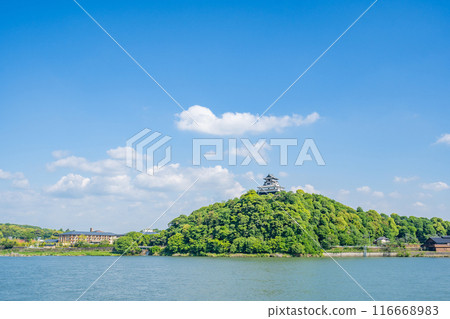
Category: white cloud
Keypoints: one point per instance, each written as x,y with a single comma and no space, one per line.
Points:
71,184
344,192
106,166
308,188
60,154
250,175
364,189
399,179
120,152
174,177
395,195
5,175
283,174
368,190
21,183
236,123
424,195
110,196
419,204
18,180
171,178
112,177
436,186
444,139
261,147
378,194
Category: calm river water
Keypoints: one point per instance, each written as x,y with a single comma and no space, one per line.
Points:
202,278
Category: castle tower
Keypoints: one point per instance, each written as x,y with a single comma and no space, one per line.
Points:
270,186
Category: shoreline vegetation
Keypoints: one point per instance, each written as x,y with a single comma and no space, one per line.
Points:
49,252
29,252
285,224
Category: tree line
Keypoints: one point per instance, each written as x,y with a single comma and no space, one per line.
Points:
290,223
27,232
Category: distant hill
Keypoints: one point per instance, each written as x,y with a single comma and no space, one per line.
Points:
291,223
26,232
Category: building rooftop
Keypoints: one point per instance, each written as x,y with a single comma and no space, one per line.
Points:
90,233
270,185
270,177
440,240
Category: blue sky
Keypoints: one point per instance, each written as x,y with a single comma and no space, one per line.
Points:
381,93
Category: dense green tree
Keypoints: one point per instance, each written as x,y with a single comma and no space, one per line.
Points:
175,244
81,244
7,243
126,245
292,223
26,232
155,250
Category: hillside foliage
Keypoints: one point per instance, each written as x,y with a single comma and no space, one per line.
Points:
289,223
26,232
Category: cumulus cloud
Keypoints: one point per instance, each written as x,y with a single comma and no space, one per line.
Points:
114,196
444,139
260,148
21,183
368,190
419,204
283,174
71,185
399,179
308,188
436,186
253,177
424,195
120,152
378,194
175,177
5,175
395,195
18,179
106,166
364,189
111,177
60,153
236,123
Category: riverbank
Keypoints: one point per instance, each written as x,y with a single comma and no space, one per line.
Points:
108,251
390,254
333,255
28,252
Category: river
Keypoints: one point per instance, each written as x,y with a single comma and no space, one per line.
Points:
205,278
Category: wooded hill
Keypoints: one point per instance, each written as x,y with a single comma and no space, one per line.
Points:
290,223
26,232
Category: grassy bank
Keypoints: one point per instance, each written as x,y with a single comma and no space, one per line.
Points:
234,255
54,252
336,252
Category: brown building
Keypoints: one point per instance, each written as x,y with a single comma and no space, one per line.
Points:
439,244
92,237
